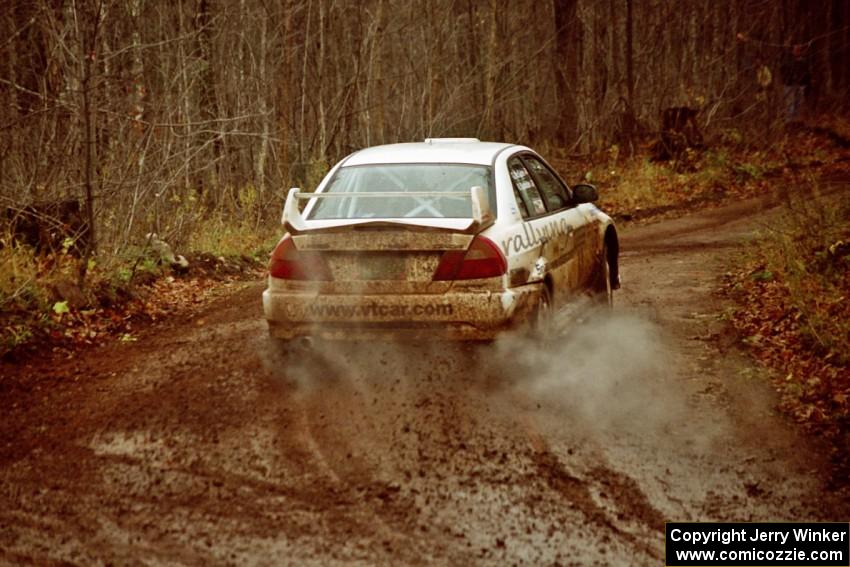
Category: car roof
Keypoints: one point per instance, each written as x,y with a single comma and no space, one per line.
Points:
432,150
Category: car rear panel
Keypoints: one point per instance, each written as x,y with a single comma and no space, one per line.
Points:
465,314
383,261
383,288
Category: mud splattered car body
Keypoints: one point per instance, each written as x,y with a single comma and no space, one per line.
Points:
448,239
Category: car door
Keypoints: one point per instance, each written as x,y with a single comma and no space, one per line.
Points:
548,225
584,234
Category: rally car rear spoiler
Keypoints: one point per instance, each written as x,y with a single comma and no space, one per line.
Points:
482,215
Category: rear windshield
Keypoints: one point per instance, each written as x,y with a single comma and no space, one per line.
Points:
406,178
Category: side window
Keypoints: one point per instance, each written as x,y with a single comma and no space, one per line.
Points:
556,195
523,209
532,202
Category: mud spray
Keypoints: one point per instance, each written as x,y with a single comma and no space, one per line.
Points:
484,438
597,373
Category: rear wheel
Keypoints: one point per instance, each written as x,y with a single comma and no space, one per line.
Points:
603,293
541,320
277,351
294,359
284,346
274,356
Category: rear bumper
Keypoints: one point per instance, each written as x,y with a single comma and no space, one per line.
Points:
454,315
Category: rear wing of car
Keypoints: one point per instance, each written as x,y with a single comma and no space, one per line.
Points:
482,214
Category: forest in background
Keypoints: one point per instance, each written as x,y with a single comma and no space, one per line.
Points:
190,119
158,116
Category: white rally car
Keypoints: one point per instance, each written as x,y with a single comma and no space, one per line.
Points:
451,239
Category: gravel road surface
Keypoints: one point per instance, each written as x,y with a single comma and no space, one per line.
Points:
197,444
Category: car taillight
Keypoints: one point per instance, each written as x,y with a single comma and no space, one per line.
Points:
289,263
481,260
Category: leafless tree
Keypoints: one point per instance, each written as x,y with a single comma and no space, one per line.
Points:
155,114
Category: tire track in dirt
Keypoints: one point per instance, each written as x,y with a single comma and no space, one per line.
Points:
199,445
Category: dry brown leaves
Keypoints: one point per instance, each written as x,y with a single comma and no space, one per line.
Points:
66,332
815,385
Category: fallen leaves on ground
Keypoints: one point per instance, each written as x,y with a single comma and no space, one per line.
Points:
811,372
69,329
639,189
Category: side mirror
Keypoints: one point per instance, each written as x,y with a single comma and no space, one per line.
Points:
585,193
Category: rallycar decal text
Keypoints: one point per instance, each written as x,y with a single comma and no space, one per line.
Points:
532,237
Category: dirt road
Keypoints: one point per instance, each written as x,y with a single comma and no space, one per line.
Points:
196,445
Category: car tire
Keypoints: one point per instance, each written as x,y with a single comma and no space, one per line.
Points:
541,319
277,351
603,292
280,356
283,346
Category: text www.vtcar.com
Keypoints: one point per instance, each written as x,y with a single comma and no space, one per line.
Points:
373,310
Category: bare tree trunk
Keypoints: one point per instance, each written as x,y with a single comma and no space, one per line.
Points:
567,51
207,181
302,132
376,70
86,31
630,74
186,100
262,153
285,77
138,73
488,117
320,67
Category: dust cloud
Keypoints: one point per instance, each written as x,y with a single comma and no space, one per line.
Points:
600,372
604,370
